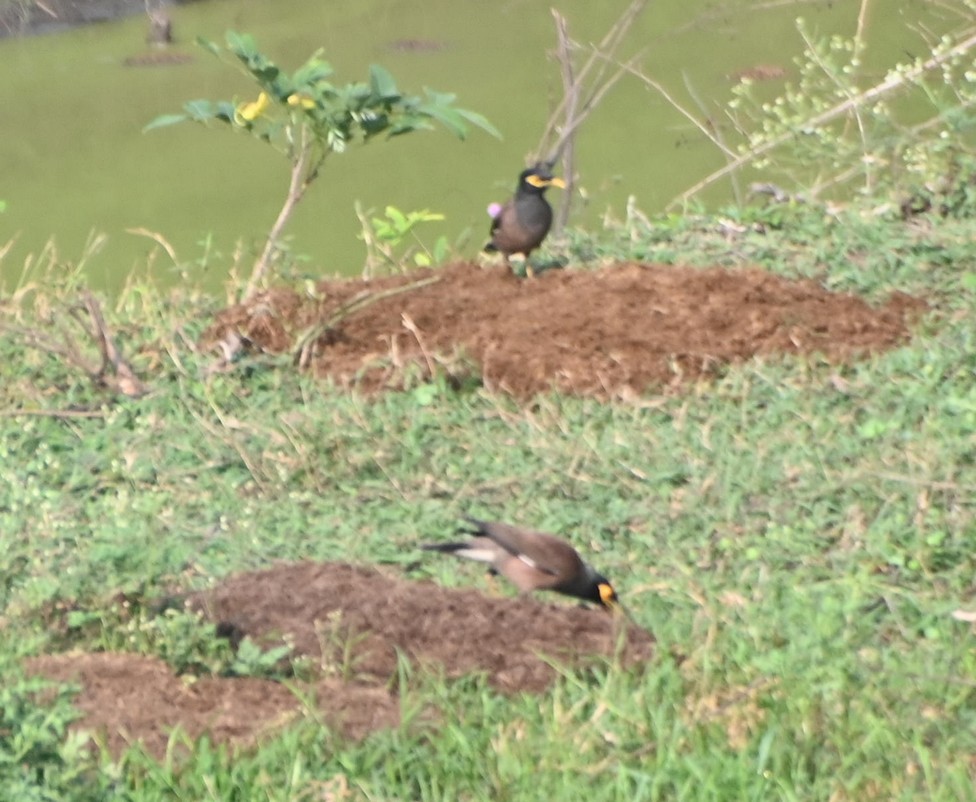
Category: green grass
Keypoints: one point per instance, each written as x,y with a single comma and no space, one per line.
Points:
797,536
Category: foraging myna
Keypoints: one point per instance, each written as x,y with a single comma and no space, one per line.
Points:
531,560
521,224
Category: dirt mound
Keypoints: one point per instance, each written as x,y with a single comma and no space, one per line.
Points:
352,622
612,332
127,698
327,608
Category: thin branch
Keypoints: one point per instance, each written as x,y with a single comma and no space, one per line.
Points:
714,133
583,89
571,92
568,130
606,45
703,127
599,56
875,92
305,343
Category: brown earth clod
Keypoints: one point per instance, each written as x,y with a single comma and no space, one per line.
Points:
352,622
324,608
614,332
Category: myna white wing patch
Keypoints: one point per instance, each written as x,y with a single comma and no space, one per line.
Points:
487,555
534,565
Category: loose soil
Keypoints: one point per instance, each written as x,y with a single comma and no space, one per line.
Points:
616,332
127,699
352,622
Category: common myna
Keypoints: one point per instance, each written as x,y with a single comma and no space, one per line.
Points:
521,224
532,561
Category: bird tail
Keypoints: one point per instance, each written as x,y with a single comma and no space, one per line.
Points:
447,548
467,551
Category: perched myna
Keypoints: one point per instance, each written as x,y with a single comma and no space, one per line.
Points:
532,561
521,224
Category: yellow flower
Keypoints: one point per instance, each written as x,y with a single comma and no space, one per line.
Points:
298,99
249,112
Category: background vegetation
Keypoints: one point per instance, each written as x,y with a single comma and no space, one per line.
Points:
799,537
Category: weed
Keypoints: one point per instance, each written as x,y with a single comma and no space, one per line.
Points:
306,117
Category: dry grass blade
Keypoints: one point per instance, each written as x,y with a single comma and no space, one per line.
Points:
304,349
159,239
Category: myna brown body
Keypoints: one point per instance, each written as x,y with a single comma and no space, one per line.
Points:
521,225
531,560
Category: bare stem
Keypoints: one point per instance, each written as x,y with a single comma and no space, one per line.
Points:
571,92
300,178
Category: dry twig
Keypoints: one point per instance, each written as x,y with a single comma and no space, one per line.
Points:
112,372
583,89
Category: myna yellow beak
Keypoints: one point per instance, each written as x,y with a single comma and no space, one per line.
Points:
607,595
540,182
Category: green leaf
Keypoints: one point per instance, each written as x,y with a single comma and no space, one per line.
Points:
78,618
202,111
408,124
166,119
398,218
224,111
241,44
480,121
873,428
198,110
312,72
382,85
267,73
355,97
209,45
439,98
441,247
448,117
439,107
335,141
425,394
260,66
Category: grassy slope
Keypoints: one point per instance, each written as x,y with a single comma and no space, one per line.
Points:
797,534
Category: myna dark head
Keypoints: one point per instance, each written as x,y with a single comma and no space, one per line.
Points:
536,180
531,560
604,593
